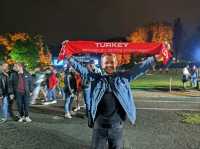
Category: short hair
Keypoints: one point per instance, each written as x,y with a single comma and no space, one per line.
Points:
21,65
5,63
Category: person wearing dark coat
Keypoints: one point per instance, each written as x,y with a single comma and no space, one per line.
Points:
5,92
22,87
70,90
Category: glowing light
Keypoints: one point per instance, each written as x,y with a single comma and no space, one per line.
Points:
196,55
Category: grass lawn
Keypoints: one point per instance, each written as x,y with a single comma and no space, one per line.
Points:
191,118
159,80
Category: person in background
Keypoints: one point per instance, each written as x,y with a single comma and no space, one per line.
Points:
186,75
87,85
22,87
5,92
194,76
12,101
39,79
70,90
78,91
51,87
61,84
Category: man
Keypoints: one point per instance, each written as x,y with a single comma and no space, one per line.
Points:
39,79
61,84
78,91
12,100
5,92
186,75
70,90
111,99
22,87
194,76
52,82
87,86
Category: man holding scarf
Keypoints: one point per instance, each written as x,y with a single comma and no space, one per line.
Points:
111,97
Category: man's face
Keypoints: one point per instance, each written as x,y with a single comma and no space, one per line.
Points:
19,68
5,67
109,64
15,67
54,71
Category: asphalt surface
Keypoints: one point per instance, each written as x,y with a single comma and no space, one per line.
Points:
158,126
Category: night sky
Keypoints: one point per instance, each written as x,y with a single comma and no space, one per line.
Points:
58,20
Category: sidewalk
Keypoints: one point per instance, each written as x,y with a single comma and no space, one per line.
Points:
157,93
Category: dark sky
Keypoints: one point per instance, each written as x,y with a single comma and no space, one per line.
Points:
57,20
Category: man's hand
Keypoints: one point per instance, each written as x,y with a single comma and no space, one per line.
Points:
11,96
158,58
72,95
64,52
130,125
1,97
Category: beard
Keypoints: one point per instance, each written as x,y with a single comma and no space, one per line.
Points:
109,70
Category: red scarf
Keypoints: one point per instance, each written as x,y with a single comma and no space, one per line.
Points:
77,47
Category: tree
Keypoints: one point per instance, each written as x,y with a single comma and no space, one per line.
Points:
154,32
1,53
25,52
178,37
26,49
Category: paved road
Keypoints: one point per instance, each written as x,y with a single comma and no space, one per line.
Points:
169,104
155,129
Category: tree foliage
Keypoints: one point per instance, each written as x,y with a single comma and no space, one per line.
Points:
25,52
24,48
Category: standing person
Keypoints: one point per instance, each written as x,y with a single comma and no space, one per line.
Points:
186,75
51,87
5,92
39,79
87,85
61,84
12,100
111,99
78,91
194,76
22,87
70,90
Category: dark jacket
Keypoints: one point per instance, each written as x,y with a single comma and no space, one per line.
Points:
28,83
5,85
70,83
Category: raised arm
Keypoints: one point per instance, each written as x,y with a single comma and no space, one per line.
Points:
139,69
78,67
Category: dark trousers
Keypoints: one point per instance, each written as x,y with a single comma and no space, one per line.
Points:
23,104
113,136
10,108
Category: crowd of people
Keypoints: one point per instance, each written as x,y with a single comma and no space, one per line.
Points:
15,85
190,74
107,94
20,88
